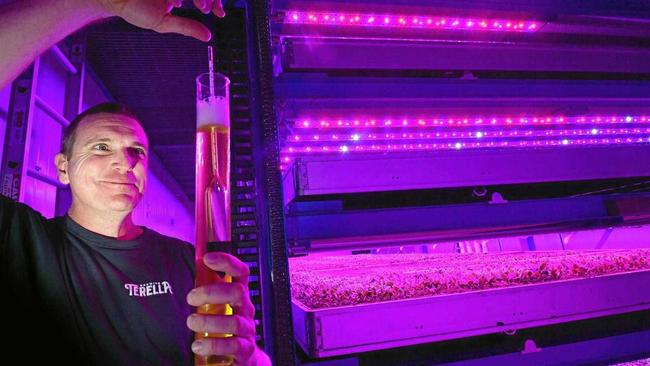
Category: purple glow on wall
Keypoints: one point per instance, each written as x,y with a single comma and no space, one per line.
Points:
422,21
364,135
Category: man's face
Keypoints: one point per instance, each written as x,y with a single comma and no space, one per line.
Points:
107,168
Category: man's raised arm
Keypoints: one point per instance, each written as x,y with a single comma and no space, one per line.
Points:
29,27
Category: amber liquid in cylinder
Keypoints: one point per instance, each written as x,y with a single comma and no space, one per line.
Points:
212,217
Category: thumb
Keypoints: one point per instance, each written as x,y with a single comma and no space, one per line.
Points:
187,27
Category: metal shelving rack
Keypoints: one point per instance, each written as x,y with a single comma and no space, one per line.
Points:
23,104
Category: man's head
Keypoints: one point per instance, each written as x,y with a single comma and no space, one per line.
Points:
104,159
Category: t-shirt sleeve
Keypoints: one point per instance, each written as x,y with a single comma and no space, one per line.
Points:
7,211
188,255
16,217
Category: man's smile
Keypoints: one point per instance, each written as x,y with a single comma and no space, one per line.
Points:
119,184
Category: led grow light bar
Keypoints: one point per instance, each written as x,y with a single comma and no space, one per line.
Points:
423,21
367,135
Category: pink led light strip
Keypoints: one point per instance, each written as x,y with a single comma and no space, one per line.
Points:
322,136
409,21
287,153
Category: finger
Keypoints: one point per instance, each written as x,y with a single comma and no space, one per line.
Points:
184,26
203,5
234,293
228,324
178,3
217,9
240,348
246,310
224,262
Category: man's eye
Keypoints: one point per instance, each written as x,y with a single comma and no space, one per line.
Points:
101,147
140,151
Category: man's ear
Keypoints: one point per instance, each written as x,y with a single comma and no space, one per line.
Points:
61,163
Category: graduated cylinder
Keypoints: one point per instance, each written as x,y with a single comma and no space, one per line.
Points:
212,208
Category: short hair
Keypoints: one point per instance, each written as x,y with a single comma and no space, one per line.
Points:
70,132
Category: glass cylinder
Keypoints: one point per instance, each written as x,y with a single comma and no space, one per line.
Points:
212,201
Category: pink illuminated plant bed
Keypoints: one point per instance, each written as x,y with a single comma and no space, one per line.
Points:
333,281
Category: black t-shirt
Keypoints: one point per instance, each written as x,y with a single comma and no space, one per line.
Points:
73,295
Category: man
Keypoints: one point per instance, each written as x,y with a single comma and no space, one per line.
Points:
92,287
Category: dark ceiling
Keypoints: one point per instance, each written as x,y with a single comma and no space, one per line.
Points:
154,74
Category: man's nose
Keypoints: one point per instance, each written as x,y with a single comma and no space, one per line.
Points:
125,159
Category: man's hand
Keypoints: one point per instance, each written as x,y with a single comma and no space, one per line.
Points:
241,346
155,15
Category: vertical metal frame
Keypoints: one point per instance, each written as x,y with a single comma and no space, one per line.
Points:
20,122
273,250
74,91
17,138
